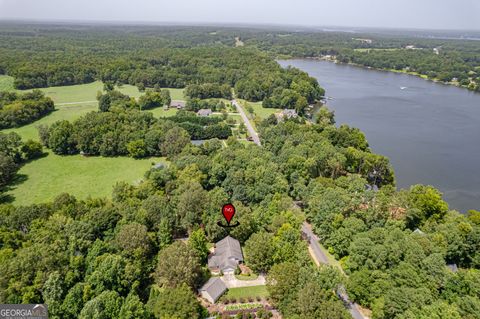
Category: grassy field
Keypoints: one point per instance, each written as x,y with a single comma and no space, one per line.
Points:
377,49
259,110
6,83
88,92
247,277
65,112
246,292
74,101
45,178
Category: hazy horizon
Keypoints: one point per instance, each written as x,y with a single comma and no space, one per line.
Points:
428,14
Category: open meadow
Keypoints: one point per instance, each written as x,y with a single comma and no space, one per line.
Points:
43,179
6,83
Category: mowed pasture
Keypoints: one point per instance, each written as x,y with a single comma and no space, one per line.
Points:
43,179
71,102
6,83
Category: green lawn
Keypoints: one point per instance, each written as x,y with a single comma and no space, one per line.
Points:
237,118
88,92
259,110
160,112
247,277
246,292
64,112
76,100
80,176
6,83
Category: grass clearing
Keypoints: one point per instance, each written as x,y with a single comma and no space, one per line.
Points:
66,112
247,292
6,83
259,110
77,175
376,49
76,100
88,92
247,277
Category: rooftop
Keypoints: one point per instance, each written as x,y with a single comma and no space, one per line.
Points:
215,287
228,254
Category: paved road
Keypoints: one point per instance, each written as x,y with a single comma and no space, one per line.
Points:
250,128
314,245
318,254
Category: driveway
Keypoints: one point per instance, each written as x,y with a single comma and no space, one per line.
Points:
232,282
249,126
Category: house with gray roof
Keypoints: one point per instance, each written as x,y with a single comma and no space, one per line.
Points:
204,112
177,104
213,289
226,257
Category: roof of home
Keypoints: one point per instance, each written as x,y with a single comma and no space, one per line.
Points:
177,103
204,112
215,287
289,112
227,254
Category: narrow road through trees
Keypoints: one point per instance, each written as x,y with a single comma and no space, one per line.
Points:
313,242
249,126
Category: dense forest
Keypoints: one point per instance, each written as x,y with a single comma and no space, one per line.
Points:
141,253
115,257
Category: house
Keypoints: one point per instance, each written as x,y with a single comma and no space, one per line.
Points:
204,112
289,113
452,267
226,257
410,47
177,104
213,289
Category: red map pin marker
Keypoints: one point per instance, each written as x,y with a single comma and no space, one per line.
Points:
228,212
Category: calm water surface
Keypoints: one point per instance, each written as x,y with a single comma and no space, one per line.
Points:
430,131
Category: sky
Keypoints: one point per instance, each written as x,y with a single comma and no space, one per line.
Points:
410,14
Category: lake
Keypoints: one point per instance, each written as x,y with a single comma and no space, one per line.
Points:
430,131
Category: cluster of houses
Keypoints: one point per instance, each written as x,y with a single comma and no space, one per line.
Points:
225,259
180,105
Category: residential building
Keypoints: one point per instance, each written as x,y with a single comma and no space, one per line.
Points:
177,104
226,257
204,112
213,289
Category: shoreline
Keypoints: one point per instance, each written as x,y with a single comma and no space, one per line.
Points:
422,76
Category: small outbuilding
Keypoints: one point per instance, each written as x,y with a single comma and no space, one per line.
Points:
213,289
204,112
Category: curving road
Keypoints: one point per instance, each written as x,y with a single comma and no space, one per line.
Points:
318,254
250,128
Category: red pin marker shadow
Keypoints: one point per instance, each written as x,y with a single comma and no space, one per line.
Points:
228,211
